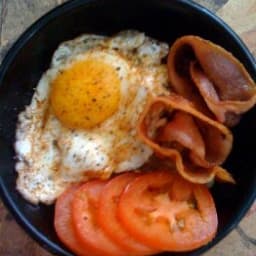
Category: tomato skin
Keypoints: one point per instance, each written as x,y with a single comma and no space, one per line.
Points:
63,222
135,214
84,209
164,211
107,215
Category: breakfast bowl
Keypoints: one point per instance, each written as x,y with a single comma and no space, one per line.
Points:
164,20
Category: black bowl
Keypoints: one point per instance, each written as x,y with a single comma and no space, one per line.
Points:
163,19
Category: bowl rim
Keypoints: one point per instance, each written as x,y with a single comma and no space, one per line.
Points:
9,57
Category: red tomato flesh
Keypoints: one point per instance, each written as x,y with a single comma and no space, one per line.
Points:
63,223
164,211
107,215
84,211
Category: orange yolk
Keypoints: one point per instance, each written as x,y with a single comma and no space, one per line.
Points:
85,94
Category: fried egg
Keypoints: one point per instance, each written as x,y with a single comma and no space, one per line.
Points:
81,122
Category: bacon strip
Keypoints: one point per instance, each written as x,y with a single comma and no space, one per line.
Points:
212,78
175,130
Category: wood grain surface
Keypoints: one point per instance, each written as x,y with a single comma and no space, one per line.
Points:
241,15
17,15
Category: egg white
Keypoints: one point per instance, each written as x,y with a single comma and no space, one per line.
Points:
51,156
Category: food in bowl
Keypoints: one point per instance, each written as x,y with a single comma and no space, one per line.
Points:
112,104
79,126
224,89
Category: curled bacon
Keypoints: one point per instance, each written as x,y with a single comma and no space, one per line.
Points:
212,78
175,130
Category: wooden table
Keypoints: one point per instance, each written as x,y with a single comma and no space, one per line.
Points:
16,15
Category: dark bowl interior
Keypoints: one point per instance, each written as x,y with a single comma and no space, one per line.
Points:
163,19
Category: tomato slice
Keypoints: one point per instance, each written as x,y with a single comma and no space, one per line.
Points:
84,209
107,216
63,223
164,211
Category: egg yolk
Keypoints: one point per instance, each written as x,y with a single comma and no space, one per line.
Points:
85,94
